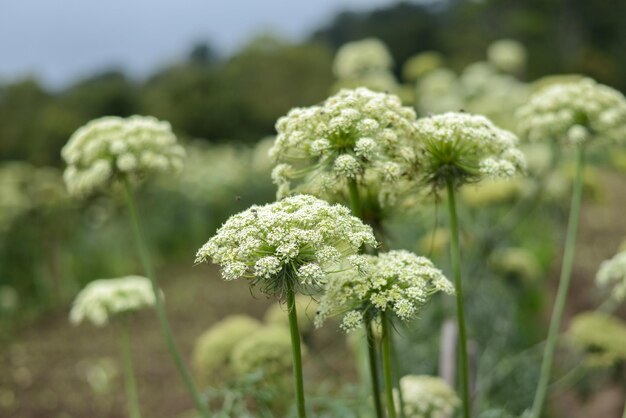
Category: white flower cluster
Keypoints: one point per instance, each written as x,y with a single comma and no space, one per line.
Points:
398,281
355,59
296,241
24,187
602,336
574,112
465,148
110,146
354,135
102,299
507,55
268,349
612,275
427,397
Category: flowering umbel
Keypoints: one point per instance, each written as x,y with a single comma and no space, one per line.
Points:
612,275
355,135
103,299
398,281
293,243
574,112
465,148
427,397
105,148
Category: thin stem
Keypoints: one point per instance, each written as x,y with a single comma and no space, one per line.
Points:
355,200
391,407
624,414
564,282
395,363
455,256
295,352
373,362
160,309
129,374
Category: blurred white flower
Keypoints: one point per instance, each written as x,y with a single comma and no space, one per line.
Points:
574,111
111,146
612,276
508,55
427,397
357,58
103,299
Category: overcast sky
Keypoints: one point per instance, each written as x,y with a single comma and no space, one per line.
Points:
59,40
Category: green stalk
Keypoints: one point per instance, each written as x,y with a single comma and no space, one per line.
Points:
355,200
624,414
160,309
396,370
129,374
295,352
391,406
564,282
455,256
355,205
373,362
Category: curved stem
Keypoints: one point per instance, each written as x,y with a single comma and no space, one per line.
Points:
160,309
373,362
295,352
391,407
564,282
129,374
455,257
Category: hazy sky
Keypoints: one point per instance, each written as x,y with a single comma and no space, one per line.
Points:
59,40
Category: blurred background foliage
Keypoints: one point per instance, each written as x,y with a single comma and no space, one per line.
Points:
224,108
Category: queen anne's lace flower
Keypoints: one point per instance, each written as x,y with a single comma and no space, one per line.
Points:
612,275
103,299
211,356
397,281
574,112
463,148
507,55
427,397
293,242
268,350
602,336
358,58
110,146
353,135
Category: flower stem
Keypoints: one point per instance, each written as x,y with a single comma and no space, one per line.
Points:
129,374
455,256
371,351
160,309
391,407
355,200
564,282
295,352
396,370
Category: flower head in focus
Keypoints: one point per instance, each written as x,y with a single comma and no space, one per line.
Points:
111,146
612,275
354,136
103,299
398,281
427,397
464,148
290,244
574,111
